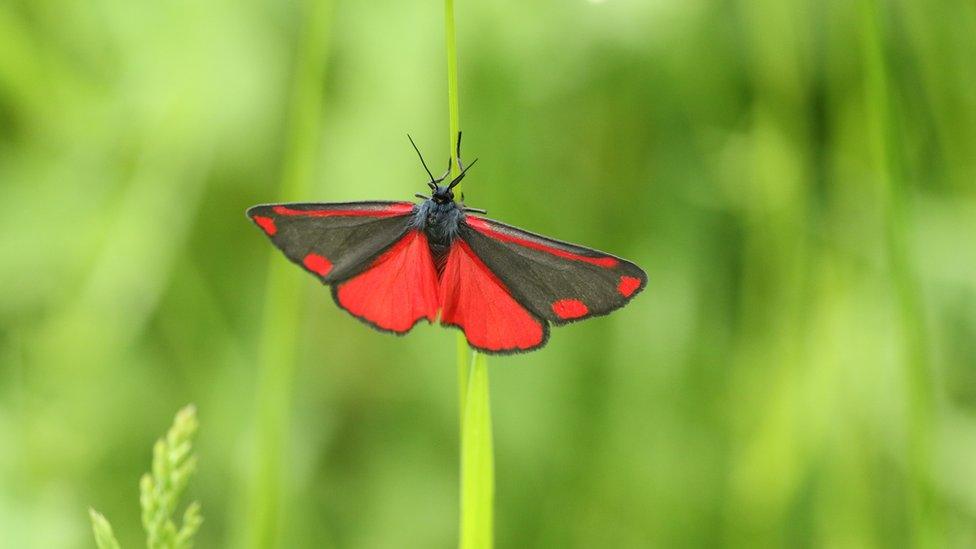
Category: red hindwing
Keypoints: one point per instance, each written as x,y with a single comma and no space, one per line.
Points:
397,290
475,300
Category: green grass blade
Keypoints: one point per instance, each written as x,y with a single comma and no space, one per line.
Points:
883,132
477,462
463,366
477,457
282,297
450,38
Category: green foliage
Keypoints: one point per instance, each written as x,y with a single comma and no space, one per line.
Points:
160,490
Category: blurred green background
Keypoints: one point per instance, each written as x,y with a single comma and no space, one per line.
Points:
796,176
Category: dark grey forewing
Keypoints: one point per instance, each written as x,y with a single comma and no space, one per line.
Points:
348,242
542,278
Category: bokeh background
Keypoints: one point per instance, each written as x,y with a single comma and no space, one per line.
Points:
796,176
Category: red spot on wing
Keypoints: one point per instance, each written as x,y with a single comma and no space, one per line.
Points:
400,208
474,299
484,228
570,308
628,285
317,264
267,224
397,290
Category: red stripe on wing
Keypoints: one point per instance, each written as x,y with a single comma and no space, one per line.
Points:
473,299
400,208
397,290
484,228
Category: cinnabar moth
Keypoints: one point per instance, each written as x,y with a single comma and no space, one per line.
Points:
393,264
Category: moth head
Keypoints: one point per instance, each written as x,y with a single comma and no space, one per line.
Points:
442,194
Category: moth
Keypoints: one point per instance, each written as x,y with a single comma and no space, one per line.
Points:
394,264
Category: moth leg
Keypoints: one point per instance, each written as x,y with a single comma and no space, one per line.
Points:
460,165
446,173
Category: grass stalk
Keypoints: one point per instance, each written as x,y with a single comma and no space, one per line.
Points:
477,461
277,345
926,525
104,536
477,458
454,115
161,489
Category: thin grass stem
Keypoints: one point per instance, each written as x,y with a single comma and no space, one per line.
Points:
454,125
450,35
477,459
477,462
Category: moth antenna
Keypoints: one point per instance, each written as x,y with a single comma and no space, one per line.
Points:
426,169
461,175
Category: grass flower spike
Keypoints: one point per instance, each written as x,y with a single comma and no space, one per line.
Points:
160,491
